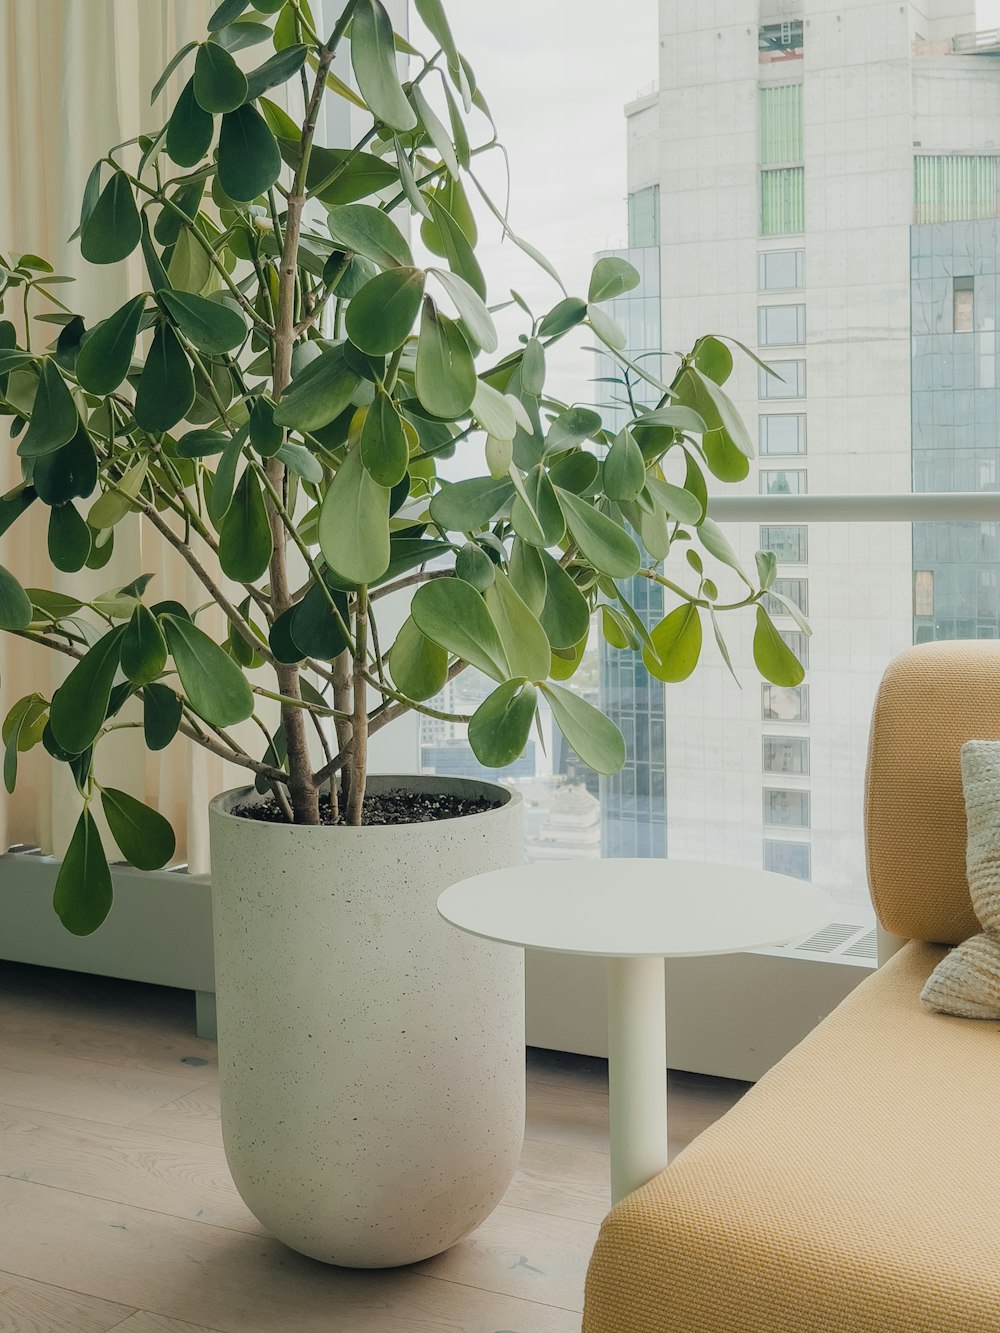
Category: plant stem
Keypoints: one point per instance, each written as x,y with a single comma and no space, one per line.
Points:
359,742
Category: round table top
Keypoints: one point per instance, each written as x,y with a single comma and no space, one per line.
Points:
636,908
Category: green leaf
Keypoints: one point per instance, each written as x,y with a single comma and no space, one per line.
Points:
381,316
501,724
474,566
373,56
226,13
314,629
616,628
54,418
157,273
105,357
245,542
224,482
572,427
69,538
533,367
238,36
452,614
166,386
436,22
675,644
535,514
211,326
468,506
219,83
370,232
22,729
593,736
52,605
201,444
282,66
565,615
189,130
767,568
144,837
713,358
563,316
384,450
445,377
418,667
319,393
775,660
111,507
606,328
298,459
161,716
450,241
113,229
729,418
678,502
172,64
213,684
611,277
144,649
13,505
624,468
577,471
603,543
436,131
80,704
471,309
355,175
724,459
249,161
353,523
717,543
495,412
83,893
676,416
15,605
524,641
265,435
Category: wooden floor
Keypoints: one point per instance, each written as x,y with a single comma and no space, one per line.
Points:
117,1211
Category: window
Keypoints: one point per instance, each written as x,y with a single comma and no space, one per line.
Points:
781,325
959,187
785,434
962,305
787,858
780,123
784,703
799,644
781,37
796,590
780,270
787,381
786,809
779,481
782,201
923,592
786,754
644,216
788,542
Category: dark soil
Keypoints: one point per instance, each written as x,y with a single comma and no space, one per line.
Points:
385,807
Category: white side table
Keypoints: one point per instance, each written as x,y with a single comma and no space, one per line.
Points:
636,913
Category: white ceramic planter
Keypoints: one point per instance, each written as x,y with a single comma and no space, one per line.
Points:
371,1056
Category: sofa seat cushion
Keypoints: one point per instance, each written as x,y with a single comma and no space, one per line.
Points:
854,1189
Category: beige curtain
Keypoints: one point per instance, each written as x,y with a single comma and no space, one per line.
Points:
75,77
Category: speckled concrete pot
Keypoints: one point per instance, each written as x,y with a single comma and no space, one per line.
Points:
371,1056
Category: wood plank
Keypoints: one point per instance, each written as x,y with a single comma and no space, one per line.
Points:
144,1322
132,1046
193,1117
108,1000
32,1076
237,1283
530,1255
37,1307
122,1165
562,1180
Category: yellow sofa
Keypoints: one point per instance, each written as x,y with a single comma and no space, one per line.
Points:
856,1187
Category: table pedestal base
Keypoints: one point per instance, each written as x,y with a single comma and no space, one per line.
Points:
637,1071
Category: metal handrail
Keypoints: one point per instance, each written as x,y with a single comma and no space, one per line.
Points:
928,507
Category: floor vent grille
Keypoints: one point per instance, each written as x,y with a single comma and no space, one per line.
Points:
830,939
846,941
865,947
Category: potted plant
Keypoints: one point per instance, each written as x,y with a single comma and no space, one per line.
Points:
278,404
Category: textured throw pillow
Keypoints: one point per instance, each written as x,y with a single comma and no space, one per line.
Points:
967,982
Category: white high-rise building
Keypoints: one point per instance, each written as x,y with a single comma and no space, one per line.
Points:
821,180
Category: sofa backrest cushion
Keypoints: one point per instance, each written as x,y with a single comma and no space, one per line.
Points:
933,698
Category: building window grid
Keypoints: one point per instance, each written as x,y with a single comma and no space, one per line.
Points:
781,325
796,590
784,703
781,434
783,481
786,754
780,270
785,807
788,541
788,858
787,381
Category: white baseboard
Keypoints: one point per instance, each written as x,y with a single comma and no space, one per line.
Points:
733,1017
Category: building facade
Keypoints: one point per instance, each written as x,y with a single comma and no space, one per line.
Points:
822,181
